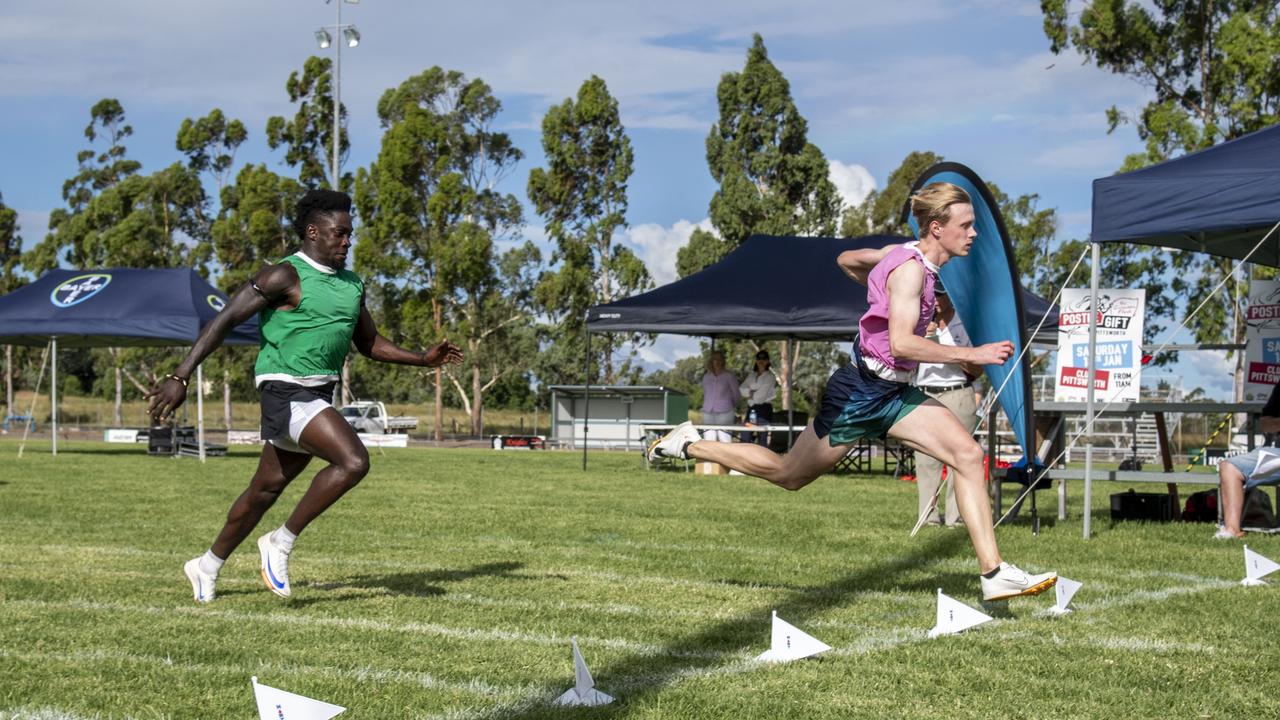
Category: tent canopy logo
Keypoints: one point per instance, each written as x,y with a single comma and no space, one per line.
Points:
78,289
216,303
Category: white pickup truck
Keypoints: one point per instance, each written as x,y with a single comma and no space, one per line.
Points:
372,417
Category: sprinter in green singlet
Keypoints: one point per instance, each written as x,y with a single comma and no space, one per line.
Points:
311,310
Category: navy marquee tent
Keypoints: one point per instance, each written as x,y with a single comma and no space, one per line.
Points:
1220,201
115,307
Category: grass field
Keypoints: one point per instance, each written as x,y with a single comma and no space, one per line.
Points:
449,583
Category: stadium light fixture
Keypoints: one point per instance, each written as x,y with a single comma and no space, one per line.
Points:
351,36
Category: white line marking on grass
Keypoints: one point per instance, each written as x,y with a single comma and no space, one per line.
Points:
1155,596
604,608
612,543
359,672
418,628
48,713
1124,643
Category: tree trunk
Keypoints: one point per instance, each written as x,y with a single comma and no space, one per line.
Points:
117,418
477,403
8,380
226,399
346,380
439,433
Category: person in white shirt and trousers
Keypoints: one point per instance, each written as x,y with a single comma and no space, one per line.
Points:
759,388
951,385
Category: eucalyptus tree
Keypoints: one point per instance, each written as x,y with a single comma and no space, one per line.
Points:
582,194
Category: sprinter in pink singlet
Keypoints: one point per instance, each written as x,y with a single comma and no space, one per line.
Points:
872,396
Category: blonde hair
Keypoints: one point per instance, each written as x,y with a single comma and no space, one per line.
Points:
933,202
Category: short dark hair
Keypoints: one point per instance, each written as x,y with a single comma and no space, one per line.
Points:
318,201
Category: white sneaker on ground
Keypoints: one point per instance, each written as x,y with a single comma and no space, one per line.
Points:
1011,582
1224,534
202,584
673,444
275,566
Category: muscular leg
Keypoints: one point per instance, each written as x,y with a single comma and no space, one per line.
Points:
934,430
1231,493
809,457
276,469
330,438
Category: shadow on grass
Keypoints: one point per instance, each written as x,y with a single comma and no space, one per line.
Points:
412,584
644,675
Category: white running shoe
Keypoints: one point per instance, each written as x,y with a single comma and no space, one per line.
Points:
202,584
673,444
1224,534
1011,582
275,566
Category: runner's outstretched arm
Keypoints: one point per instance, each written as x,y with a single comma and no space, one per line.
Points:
271,287
376,347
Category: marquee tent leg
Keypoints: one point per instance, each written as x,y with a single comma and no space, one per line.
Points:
53,393
1094,275
200,408
586,400
791,403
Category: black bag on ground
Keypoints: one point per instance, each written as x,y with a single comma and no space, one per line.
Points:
1257,510
1201,507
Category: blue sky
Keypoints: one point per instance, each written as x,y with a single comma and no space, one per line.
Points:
973,81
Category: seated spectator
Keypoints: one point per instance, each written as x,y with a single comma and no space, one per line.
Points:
1244,472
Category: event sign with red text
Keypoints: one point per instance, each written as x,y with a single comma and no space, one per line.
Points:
1262,356
1118,373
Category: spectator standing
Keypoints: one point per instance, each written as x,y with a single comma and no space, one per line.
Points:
952,385
719,397
759,388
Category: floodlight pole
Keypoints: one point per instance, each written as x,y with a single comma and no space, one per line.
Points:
337,40
586,386
337,89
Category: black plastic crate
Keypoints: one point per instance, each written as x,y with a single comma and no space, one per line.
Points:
1152,507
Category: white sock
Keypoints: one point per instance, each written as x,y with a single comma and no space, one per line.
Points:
283,539
210,564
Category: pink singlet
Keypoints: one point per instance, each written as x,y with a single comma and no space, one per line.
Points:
873,328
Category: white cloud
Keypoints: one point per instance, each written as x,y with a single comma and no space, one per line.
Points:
853,182
666,350
1099,156
657,245
1209,369
32,226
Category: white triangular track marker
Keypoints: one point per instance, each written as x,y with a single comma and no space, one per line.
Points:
1257,567
787,643
274,704
584,690
954,616
1065,589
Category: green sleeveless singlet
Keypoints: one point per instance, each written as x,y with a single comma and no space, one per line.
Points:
313,339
